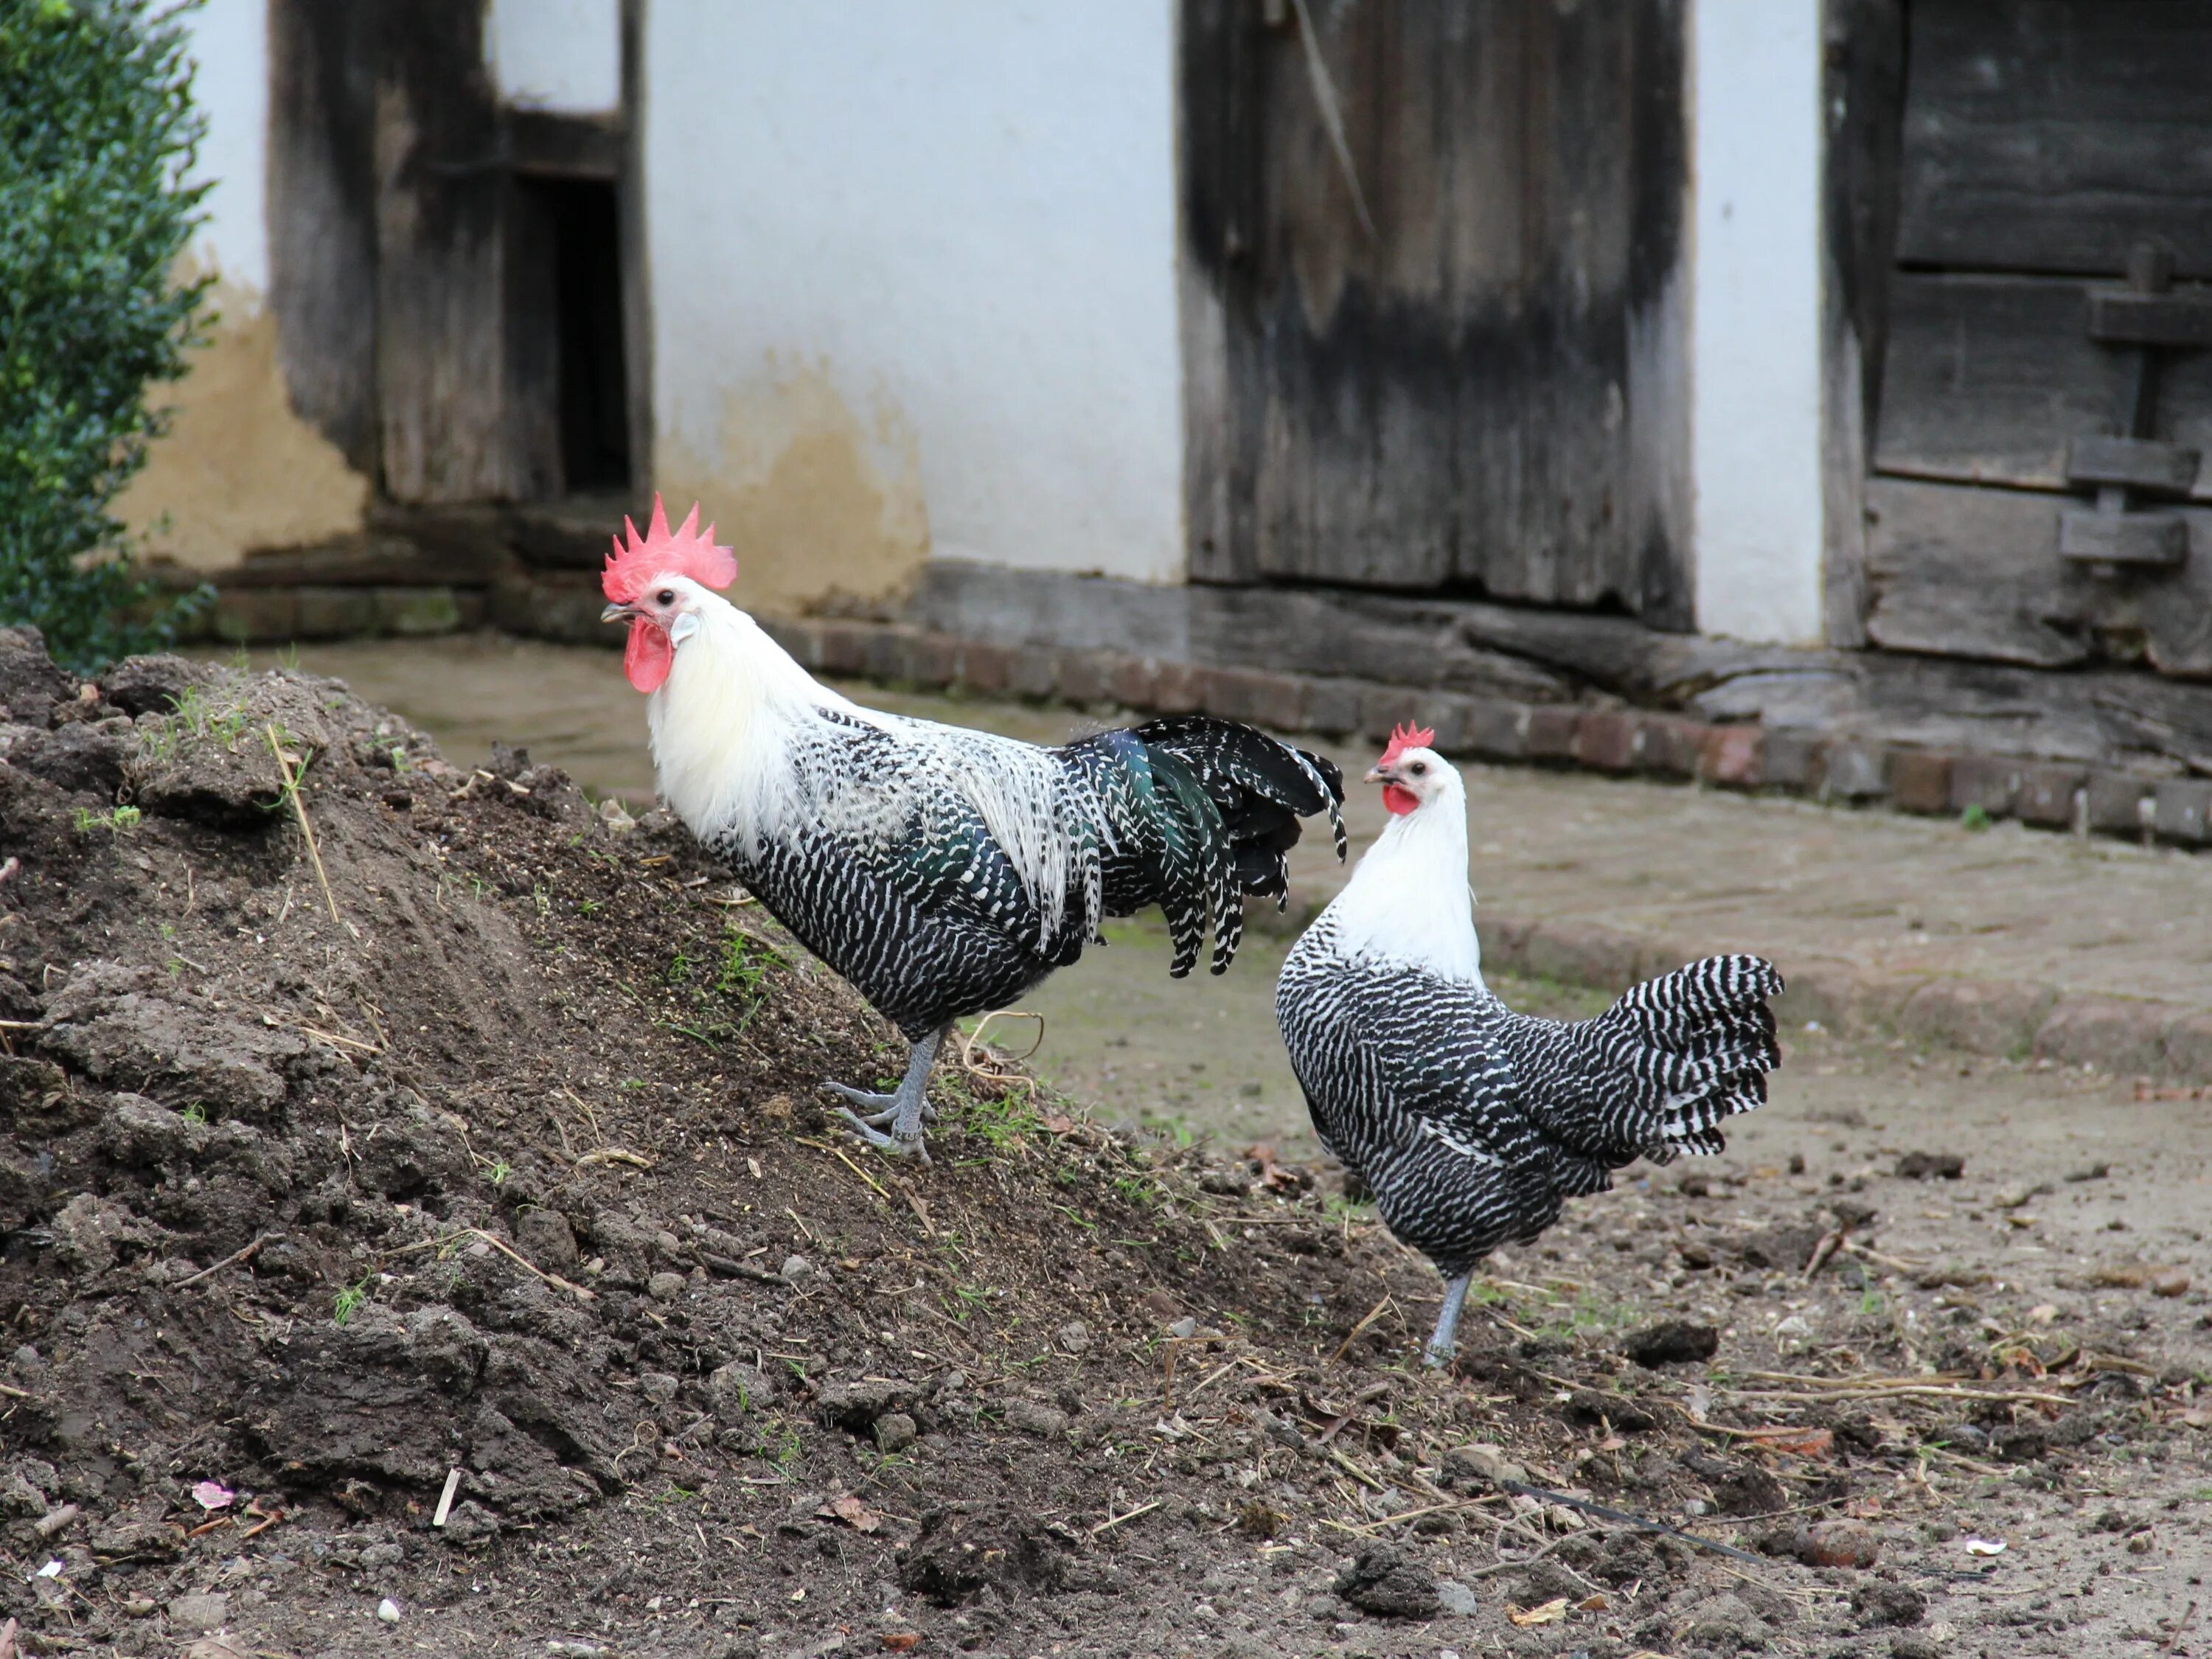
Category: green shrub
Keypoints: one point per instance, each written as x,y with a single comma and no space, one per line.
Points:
97,135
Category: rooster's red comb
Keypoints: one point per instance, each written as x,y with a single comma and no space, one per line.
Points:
1404,738
664,552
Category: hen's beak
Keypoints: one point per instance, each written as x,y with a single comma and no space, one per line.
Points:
1381,775
615,613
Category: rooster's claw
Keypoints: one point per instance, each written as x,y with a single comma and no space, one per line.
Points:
887,1105
867,1130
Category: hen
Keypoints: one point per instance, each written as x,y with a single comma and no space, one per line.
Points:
943,872
1471,1124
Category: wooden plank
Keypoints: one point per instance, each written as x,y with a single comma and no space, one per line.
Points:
564,146
1483,392
2142,464
1961,571
1989,379
1862,92
2052,134
441,212
636,266
321,216
2182,321
2094,535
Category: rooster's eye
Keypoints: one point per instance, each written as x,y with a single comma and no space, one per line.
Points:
666,596
1420,768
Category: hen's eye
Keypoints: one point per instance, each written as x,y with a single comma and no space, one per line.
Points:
666,596
1420,768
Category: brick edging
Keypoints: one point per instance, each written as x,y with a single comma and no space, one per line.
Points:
1620,742
2003,1018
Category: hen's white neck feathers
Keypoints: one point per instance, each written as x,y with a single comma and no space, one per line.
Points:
1409,899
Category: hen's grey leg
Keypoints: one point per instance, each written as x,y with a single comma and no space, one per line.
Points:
902,1113
1446,1338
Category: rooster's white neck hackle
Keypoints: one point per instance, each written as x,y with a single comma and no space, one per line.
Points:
1409,899
735,710
723,721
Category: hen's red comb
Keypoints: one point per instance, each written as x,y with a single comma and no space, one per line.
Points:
664,552
1403,738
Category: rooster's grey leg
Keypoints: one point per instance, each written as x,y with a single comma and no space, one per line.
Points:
901,1113
1447,1333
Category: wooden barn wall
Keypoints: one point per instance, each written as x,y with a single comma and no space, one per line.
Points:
410,272
1467,376
2039,143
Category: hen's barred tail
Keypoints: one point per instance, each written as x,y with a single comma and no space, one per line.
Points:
1705,1037
1221,812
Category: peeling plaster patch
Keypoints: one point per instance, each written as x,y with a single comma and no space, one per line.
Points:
817,503
238,470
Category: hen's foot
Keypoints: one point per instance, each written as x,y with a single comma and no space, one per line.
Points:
1446,1336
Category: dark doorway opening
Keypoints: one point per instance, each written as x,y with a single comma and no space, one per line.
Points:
579,235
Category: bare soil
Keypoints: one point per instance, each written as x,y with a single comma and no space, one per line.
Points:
496,1166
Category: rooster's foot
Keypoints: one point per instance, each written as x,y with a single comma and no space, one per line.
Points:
895,1124
884,1141
887,1106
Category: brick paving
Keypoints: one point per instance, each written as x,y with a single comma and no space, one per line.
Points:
2009,940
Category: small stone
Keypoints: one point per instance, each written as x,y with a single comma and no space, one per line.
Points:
2174,1281
388,1611
1074,1337
199,1613
1836,1544
1482,1463
665,1287
1914,1645
896,1431
658,1387
1045,1422
1456,1599
795,1268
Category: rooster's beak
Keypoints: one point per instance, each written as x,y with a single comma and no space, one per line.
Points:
1381,775
615,613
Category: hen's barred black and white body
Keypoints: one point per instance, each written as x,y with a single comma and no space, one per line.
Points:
945,871
1470,1123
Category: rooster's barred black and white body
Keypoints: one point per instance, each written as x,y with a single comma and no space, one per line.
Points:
1470,1123
944,872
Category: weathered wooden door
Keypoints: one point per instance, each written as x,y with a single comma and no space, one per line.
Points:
2041,493
1432,297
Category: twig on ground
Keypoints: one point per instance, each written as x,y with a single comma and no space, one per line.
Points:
230,1260
838,1152
1141,1509
1641,1522
614,1155
526,1263
300,810
1353,1336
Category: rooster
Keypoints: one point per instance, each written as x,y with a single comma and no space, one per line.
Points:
1471,1124
942,871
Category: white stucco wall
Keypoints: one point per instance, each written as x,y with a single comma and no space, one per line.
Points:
564,55
238,470
1756,345
914,283
230,83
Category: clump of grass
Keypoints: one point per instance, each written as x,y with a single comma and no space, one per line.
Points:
350,1300
1975,818
117,820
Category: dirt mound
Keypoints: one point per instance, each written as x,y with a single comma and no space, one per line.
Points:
413,1191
